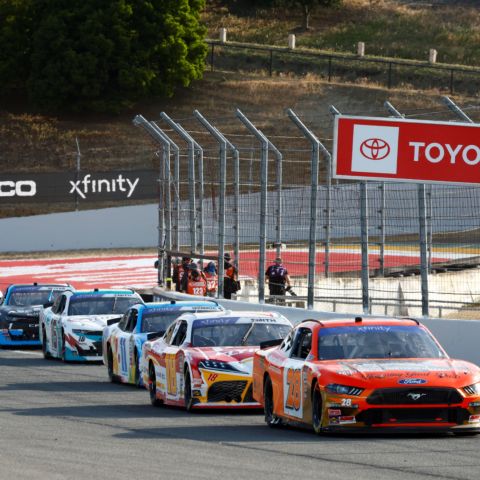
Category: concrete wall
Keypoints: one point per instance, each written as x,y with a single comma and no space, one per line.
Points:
119,227
458,337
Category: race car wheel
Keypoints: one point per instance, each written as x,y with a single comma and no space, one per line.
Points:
188,392
46,353
64,348
137,370
459,433
113,378
152,386
317,410
270,418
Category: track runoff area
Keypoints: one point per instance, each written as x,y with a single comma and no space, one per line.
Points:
66,421
138,270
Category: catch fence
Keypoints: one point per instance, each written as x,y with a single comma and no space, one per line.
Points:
264,189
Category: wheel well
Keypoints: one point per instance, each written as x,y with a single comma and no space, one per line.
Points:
186,369
314,384
265,376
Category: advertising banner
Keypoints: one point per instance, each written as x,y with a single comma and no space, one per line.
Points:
406,150
78,186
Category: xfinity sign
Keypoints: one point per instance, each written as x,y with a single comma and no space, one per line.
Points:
406,150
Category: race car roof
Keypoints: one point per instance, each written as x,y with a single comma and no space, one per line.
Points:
360,321
104,293
183,305
236,317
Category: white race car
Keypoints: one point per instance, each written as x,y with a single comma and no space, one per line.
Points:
72,328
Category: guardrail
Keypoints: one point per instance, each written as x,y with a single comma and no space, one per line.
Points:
389,71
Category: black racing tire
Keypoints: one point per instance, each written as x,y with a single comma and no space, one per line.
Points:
270,418
188,392
46,353
63,354
152,386
137,370
459,433
111,376
317,410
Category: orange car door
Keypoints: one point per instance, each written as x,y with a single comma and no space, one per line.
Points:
173,369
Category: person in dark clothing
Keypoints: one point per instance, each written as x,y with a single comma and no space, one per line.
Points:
277,278
230,279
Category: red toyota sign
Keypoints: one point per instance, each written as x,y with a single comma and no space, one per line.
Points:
406,150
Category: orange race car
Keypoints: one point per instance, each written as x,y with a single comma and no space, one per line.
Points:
366,374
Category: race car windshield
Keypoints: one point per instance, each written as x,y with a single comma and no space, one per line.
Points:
158,321
376,341
32,297
236,334
94,305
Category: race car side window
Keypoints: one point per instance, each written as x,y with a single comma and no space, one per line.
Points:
169,332
122,325
132,320
181,334
287,343
56,303
59,304
302,343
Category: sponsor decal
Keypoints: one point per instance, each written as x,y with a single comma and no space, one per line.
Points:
87,185
474,419
375,149
333,421
347,419
474,404
412,381
21,188
332,412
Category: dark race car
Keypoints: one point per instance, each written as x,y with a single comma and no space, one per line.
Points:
20,310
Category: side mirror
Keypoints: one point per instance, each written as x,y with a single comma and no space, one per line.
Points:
112,321
153,335
270,343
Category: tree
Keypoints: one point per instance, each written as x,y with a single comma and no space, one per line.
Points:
97,55
308,6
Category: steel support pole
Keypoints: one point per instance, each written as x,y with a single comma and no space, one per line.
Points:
312,242
191,177
382,227
456,109
422,220
263,202
221,196
278,186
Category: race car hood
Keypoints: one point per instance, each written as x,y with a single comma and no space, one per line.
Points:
391,372
11,313
241,358
92,322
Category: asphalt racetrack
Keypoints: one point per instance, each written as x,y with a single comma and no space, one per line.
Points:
65,421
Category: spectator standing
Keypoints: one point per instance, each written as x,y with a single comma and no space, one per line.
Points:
230,279
193,281
277,278
179,271
211,275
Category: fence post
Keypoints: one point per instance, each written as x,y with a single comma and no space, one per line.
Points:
389,75
312,242
263,202
382,228
191,176
212,57
278,181
271,62
422,220
221,196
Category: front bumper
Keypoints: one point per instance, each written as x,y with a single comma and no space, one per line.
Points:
18,337
86,349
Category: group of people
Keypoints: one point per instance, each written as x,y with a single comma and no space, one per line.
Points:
189,278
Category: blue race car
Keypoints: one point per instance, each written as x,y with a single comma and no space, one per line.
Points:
20,311
122,341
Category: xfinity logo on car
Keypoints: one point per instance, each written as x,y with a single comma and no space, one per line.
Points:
412,381
21,188
375,149
87,185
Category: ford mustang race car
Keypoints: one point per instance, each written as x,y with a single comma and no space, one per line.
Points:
72,328
366,374
122,342
205,359
20,310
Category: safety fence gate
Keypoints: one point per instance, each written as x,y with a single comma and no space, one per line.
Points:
264,189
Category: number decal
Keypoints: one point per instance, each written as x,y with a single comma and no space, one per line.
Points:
346,402
198,291
294,382
170,361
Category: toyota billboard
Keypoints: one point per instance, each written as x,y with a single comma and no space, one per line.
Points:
406,150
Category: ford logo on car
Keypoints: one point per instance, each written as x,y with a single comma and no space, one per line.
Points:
412,381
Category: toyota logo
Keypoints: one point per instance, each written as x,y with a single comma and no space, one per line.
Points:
416,396
375,149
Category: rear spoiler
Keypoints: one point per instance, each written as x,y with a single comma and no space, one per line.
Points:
270,343
153,335
112,321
